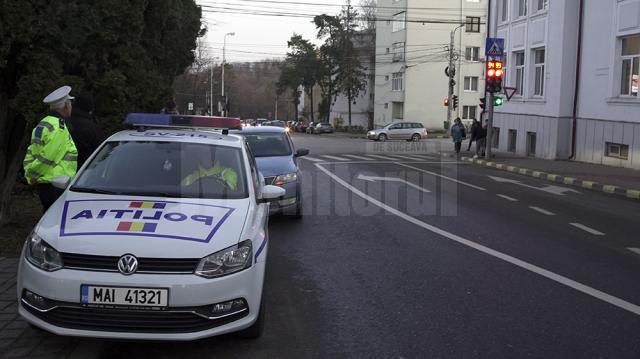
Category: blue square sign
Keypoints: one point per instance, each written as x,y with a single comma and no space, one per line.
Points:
494,47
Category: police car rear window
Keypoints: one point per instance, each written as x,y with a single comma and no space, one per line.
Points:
165,169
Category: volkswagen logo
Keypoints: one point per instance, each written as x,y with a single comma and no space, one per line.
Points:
128,264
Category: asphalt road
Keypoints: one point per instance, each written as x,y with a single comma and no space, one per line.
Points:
403,254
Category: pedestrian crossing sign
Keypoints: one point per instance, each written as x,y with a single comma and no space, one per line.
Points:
494,47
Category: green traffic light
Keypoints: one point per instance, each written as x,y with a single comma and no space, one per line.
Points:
498,101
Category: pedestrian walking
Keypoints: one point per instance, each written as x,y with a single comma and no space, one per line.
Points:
86,134
458,134
170,108
481,139
52,152
474,131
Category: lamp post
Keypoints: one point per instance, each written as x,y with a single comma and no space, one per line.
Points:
224,59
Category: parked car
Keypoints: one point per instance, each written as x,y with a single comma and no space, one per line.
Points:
276,159
324,127
311,127
409,131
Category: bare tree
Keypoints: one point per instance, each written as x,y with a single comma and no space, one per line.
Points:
367,19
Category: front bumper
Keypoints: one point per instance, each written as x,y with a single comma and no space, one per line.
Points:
372,136
289,201
189,296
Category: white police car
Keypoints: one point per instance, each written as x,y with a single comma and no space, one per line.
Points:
162,235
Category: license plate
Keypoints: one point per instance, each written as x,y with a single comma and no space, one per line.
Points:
124,296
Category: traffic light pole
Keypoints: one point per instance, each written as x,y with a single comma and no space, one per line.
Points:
450,72
489,139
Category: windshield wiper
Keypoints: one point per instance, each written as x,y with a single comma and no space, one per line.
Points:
92,190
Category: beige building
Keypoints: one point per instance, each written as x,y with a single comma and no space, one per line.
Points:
412,44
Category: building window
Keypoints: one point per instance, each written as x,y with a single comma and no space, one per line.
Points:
472,53
473,24
470,83
513,137
397,110
397,81
398,52
542,5
468,112
538,56
504,10
531,144
519,70
399,21
386,105
617,150
630,65
386,78
522,7
496,138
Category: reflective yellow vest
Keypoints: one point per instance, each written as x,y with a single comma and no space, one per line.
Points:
51,153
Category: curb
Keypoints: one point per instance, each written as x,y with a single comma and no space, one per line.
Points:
571,181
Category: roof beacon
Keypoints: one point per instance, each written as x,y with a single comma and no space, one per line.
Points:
183,121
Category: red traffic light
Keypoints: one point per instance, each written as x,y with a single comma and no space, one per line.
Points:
446,102
494,69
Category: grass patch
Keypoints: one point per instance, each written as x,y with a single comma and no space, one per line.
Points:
25,213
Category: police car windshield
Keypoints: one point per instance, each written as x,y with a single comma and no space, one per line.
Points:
266,144
165,169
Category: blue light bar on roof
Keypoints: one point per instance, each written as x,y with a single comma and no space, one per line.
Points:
163,120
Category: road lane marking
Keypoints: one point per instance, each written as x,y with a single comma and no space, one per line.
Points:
507,197
383,157
541,210
587,229
595,293
405,157
335,158
359,157
442,176
312,159
392,179
560,191
634,250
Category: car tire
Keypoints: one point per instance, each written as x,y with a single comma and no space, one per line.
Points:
382,137
415,137
256,329
299,212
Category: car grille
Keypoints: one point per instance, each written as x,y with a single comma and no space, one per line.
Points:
269,180
174,320
145,265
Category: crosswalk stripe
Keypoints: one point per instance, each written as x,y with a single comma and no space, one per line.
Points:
359,157
382,157
336,158
405,157
313,159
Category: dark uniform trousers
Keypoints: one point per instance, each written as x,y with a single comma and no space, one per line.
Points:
48,194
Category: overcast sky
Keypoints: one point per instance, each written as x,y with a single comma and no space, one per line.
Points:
259,36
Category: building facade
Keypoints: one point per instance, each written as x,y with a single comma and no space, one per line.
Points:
574,66
412,42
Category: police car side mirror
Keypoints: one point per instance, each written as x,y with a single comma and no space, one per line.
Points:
271,194
60,182
302,152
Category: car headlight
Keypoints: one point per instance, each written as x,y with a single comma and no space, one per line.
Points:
226,261
41,254
285,178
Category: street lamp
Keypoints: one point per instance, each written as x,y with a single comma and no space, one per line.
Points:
224,59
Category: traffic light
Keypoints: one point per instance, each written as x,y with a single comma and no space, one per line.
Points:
445,102
455,101
494,75
498,101
483,103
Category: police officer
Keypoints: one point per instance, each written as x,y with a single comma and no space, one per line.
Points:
52,152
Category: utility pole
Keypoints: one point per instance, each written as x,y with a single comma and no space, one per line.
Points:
276,117
211,90
451,72
489,144
223,111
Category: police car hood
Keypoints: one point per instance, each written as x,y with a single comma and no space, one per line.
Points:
144,226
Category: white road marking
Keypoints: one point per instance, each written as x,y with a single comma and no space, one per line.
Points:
442,176
587,229
605,297
560,191
507,197
541,210
383,157
407,157
392,179
634,250
335,158
313,159
359,157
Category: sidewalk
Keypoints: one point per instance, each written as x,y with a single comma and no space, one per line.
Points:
614,180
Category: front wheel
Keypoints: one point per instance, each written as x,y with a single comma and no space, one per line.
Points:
382,137
415,137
